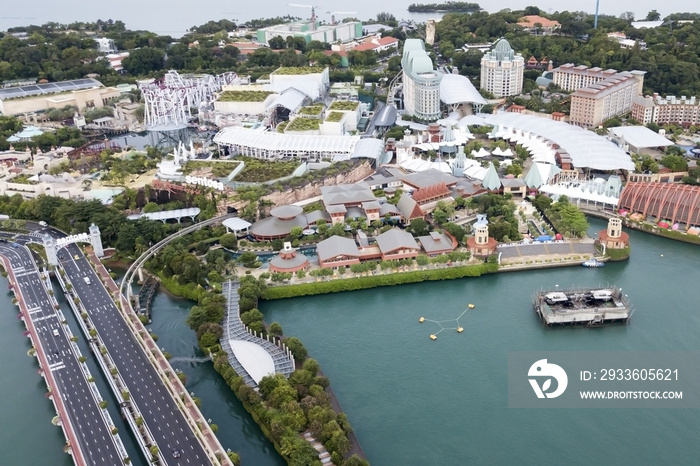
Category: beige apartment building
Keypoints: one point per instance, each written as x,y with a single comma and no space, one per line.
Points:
681,111
599,94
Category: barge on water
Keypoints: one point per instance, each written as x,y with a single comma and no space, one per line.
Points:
582,306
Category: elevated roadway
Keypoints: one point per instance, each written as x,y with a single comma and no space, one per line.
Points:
174,437
88,428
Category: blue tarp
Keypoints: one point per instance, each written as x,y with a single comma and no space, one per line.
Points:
543,238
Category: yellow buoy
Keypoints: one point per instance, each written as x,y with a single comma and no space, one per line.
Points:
460,330
433,337
421,320
471,306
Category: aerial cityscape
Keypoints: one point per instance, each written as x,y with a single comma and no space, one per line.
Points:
424,235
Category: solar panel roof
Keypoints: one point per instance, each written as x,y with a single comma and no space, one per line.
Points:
48,88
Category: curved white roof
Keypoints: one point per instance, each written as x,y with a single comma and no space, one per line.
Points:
255,360
369,148
586,148
274,141
455,89
168,214
290,99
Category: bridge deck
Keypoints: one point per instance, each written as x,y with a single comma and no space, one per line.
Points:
235,330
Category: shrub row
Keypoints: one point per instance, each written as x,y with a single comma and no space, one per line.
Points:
362,283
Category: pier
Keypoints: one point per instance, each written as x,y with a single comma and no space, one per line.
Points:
250,355
582,306
146,294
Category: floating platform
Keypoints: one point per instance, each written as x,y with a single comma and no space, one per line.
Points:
592,307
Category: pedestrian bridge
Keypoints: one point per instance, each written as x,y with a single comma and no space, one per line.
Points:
251,356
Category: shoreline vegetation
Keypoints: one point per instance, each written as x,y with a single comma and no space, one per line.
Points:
458,7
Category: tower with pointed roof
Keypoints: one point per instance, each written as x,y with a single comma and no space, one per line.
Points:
502,70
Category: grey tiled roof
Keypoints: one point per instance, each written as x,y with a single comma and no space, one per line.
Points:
431,245
273,226
395,239
335,246
346,193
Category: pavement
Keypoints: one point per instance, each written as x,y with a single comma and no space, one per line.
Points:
148,392
77,399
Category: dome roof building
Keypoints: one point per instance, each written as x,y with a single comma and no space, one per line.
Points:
502,70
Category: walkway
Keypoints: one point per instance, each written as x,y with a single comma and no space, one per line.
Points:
243,348
563,248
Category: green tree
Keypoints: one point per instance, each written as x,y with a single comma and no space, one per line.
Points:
419,227
144,60
296,347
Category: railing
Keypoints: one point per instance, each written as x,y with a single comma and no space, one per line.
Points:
66,425
130,410
234,329
194,418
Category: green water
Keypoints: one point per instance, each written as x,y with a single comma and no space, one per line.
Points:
413,401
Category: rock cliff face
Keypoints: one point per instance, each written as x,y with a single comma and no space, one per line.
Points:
310,190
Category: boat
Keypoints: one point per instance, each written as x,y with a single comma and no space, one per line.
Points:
593,263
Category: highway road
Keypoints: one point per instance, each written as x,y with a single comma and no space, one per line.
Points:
174,437
93,434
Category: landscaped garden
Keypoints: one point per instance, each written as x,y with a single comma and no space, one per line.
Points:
257,171
344,105
311,110
303,124
334,117
287,70
219,168
244,96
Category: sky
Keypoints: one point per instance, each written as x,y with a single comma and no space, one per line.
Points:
176,16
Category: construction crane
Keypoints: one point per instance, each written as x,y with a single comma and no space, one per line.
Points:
333,13
313,9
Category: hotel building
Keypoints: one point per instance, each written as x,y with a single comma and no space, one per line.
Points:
421,83
681,111
599,94
502,70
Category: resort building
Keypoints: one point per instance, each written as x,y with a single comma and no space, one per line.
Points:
538,24
397,244
337,251
481,244
676,204
681,111
502,70
288,260
272,145
421,83
312,30
81,93
350,201
437,243
282,220
593,105
599,94
613,237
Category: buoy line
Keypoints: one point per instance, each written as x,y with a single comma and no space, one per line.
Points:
459,328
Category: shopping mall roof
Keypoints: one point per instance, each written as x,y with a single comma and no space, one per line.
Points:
290,99
273,141
586,149
168,214
48,88
455,89
640,136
